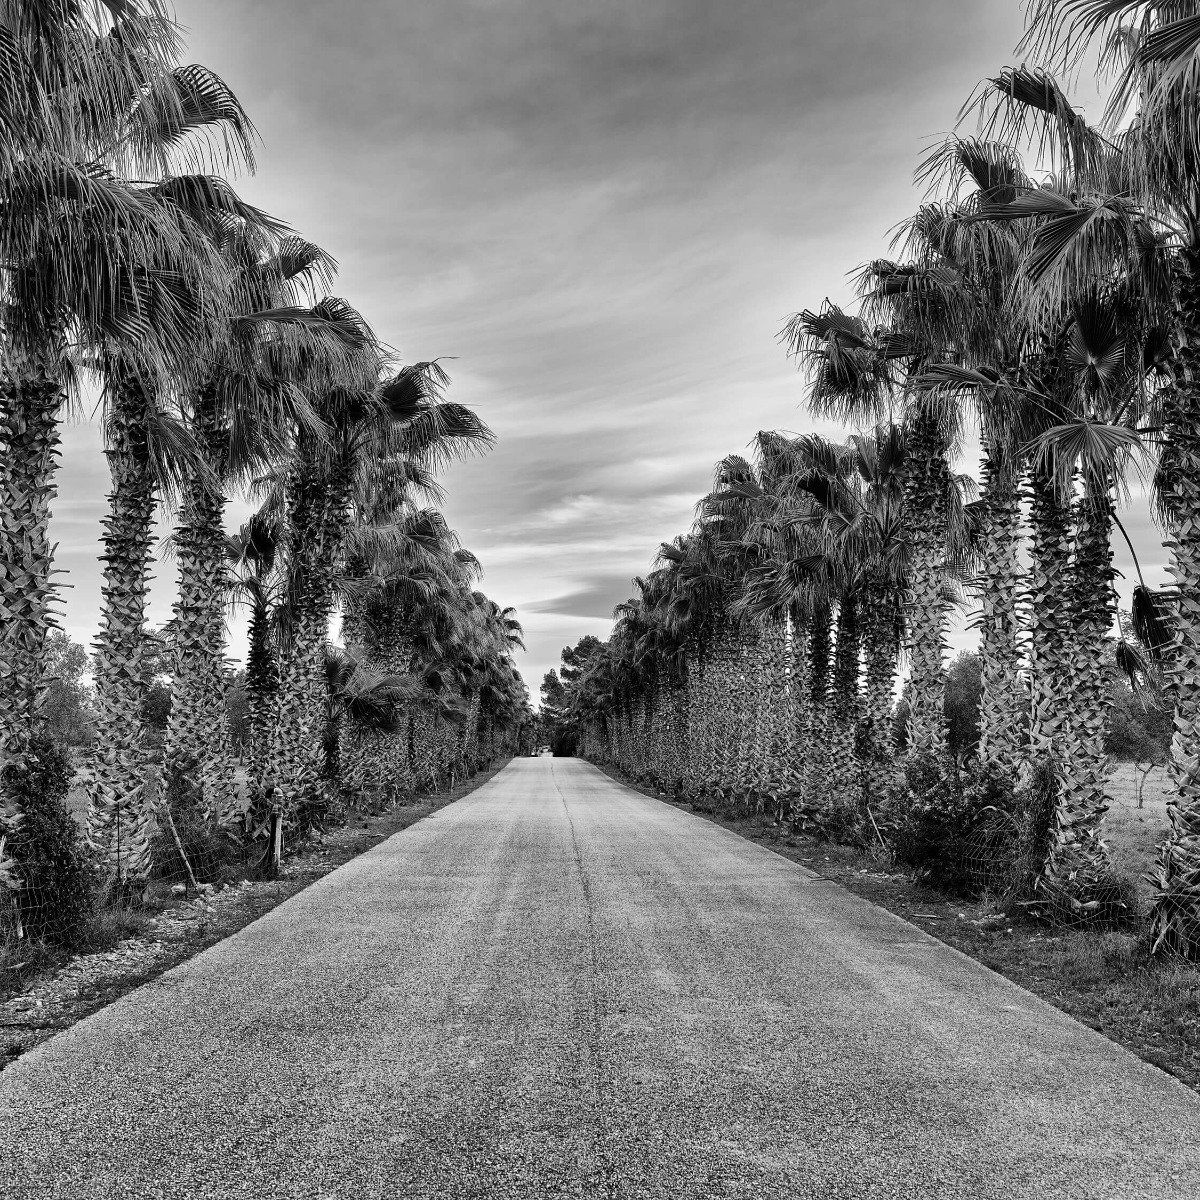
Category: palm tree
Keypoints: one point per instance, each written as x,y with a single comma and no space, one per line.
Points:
237,413
966,266
88,261
411,577
369,429
358,697
1099,375
854,376
149,453
252,554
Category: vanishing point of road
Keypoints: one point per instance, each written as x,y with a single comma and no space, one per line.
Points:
557,987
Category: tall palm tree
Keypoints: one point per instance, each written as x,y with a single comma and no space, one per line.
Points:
400,421
966,266
253,553
88,261
149,453
238,413
858,373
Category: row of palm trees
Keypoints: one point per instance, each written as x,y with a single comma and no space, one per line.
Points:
1058,316
127,258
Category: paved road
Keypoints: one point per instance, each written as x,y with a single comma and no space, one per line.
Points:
557,987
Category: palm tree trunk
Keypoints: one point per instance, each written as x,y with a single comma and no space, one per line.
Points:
698,757
799,736
1076,857
470,739
262,677
119,773
1049,606
844,705
388,650
292,782
817,784
29,437
199,763
721,664
925,504
881,624
1175,914
293,769
1002,701
777,711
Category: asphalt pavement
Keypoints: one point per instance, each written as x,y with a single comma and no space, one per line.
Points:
558,987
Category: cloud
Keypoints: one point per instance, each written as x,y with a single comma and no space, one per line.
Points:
604,210
592,599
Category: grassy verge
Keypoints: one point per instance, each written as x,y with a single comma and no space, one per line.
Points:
1105,980
43,991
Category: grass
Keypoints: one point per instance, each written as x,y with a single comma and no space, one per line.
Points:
26,959
1106,980
1135,833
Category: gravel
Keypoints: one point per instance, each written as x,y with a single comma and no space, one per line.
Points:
557,987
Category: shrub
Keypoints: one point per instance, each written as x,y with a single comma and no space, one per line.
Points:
931,821
213,855
58,880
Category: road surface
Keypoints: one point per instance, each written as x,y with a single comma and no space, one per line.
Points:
557,987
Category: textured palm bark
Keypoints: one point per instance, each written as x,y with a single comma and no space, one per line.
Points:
722,686
740,719
293,768
120,772
424,750
1048,603
1003,700
844,706
777,712
880,653
388,650
1076,857
925,503
799,735
29,434
262,678
697,764
1175,913
292,782
820,651
198,758
752,752
470,739
677,759
1053,659
29,408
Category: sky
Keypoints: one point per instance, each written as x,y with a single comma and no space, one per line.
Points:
601,213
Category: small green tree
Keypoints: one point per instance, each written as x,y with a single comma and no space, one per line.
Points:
964,683
67,712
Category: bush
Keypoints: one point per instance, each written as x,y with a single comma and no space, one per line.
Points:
1139,728
931,827
213,855
58,880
